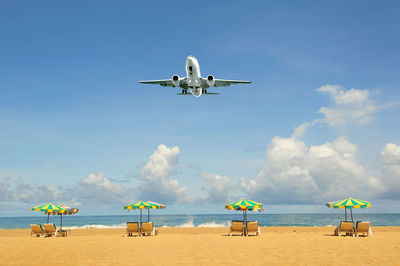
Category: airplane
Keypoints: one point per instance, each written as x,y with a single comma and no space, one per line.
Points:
193,80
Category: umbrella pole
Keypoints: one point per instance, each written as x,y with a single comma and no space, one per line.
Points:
245,221
351,212
48,216
140,217
345,214
61,222
148,215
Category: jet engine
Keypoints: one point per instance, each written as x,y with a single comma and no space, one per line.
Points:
175,80
210,80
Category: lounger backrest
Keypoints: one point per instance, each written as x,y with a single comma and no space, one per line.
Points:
147,227
49,228
132,226
237,225
363,226
252,226
36,228
346,226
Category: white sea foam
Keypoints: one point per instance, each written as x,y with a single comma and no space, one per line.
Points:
190,223
96,226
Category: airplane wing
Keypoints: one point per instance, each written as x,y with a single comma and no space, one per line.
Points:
225,83
165,82
162,82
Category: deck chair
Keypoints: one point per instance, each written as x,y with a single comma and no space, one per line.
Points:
132,228
148,229
36,230
237,228
61,232
253,228
345,227
49,230
363,228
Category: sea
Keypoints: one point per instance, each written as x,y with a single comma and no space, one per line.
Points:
197,220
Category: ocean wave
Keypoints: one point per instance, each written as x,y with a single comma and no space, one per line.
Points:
96,226
190,223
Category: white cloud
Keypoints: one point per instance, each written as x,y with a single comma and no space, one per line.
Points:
155,175
28,193
390,171
352,106
5,190
219,187
296,173
98,189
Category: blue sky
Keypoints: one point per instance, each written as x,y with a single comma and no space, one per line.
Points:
77,127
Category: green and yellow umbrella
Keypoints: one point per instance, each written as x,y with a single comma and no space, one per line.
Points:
49,208
144,205
245,205
348,203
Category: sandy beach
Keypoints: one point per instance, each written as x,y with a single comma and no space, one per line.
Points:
202,246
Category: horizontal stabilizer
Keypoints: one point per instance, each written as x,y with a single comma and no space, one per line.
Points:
208,93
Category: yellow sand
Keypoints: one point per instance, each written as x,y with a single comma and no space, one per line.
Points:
202,246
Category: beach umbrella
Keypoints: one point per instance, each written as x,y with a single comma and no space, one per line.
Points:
245,205
138,205
68,211
49,208
348,203
154,205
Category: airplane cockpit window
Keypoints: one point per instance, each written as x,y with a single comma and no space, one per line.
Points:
190,68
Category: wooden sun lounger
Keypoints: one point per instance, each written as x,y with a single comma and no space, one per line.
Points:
148,229
345,227
253,228
52,230
36,230
132,228
237,228
363,228
49,230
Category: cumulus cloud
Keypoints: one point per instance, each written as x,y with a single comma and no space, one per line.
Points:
97,188
157,183
28,193
390,171
219,187
352,105
5,190
297,173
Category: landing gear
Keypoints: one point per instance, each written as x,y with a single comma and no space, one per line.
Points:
184,91
204,91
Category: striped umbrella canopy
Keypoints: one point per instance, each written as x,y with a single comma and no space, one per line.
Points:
154,205
68,211
245,205
144,205
49,208
348,203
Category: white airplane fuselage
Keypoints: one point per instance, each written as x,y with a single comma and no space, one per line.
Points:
193,81
193,76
